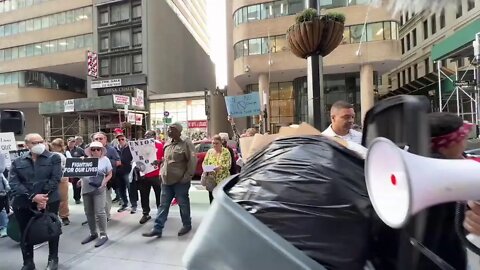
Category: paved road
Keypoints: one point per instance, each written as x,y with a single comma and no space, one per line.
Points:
126,250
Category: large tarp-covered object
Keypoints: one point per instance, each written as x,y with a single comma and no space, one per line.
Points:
311,191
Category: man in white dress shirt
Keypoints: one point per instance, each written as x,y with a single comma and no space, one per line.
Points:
342,115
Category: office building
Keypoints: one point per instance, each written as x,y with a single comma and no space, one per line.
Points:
260,59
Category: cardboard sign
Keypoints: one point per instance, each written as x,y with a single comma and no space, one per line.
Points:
144,153
7,144
78,167
244,105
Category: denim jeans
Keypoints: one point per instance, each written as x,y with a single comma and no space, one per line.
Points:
179,191
3,219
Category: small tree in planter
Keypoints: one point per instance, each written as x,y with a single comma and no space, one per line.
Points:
315,34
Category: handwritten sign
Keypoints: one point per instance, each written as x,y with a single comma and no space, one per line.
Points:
78,167
7,144
144,153
244,105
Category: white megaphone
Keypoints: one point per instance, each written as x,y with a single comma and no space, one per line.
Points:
401,184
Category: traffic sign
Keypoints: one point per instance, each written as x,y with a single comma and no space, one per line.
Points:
167,120
464,83
166,114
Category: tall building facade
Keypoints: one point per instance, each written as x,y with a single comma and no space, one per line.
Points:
260,59
43,46
436,51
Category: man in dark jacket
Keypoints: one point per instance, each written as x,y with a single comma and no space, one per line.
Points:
123,172
74,151
34,179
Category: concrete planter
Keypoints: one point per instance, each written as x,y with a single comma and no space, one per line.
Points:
317,37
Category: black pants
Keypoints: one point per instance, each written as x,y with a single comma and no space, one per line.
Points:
77,191
144,185
210,196
23,216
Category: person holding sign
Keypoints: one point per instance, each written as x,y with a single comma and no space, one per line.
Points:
94,194
219,160
34,179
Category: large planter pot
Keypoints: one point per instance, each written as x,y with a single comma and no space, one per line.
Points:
317,37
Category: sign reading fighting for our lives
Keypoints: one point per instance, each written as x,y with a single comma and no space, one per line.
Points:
79,167
244,105
144,154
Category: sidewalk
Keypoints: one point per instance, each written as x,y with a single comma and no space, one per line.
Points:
125,250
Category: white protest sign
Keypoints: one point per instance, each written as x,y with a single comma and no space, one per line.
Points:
144,153
7,144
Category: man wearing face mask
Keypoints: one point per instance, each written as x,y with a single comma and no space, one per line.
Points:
34,180
343,115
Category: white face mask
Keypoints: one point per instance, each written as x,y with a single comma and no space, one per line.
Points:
38,149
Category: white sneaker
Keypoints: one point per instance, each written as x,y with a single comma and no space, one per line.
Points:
3,232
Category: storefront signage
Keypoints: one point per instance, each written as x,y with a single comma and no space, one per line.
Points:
106,83
69,105
121,100
131,118
135,119
244,105
166,114
116,90
138,102
197,124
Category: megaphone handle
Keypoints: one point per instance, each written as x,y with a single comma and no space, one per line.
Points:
429,254
459,217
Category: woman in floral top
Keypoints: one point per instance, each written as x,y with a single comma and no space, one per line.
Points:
220,157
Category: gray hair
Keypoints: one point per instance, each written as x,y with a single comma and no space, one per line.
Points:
30,135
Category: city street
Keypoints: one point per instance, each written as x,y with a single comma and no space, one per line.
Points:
125,250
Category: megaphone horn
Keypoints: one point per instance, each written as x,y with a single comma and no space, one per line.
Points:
401,184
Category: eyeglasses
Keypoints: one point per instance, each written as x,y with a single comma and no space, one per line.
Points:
122,139
95,149
37,142
98,139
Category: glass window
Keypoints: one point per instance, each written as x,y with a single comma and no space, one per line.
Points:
14,28
104,42
137,63
254,46
2,7
433,21
53,46
387,31
346,35
70,43
103,17
244,12
29,50
120,65
29,25
281,43
14,52
88,40
45,22
8,30
37,24
296,6
79,42
52,20
265,45
375,31
62,45
21,3
442,18
253,13
2,79
104,67
394,29
69,16
459,9
7,5
2,31
87,12
120,12
46,48
61,19
29,3
470,5
78,14
356,33
37,49
238,50
2,55
8,54
21,27
8,78
280,8
137,37
121,38
137,11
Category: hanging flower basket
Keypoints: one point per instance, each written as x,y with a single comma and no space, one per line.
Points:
314,34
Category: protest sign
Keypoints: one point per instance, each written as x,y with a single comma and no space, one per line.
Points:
7,144
144,153
244,105
80,167
17,153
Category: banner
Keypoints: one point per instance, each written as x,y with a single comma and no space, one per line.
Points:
80,167
144,153
244,105
7,144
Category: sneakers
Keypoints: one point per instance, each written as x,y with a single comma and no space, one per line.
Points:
123,208
184,230
133,210
103,239
89,239
3,232
78,202
145,218
52,264
65,221
28,265
153,233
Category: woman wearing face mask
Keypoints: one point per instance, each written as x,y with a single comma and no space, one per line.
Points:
34,179
93,192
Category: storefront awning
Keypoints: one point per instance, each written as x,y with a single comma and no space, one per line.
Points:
457,45
417,85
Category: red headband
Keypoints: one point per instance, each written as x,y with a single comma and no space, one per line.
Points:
452,137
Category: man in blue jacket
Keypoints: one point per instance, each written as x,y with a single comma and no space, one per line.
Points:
34,179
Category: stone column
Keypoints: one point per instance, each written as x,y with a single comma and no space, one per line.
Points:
264,92
366,89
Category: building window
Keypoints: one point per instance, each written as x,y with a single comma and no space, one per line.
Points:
104,67
120,38
414,37
137,36
375,32
415,71
403,45
103,17
104,43
470,4
137,63
433,21
120,65
425,29
459,9
398,79
253,13
120,12
137,11
408,42
282,103
409,74
404,77
442,19
255,46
